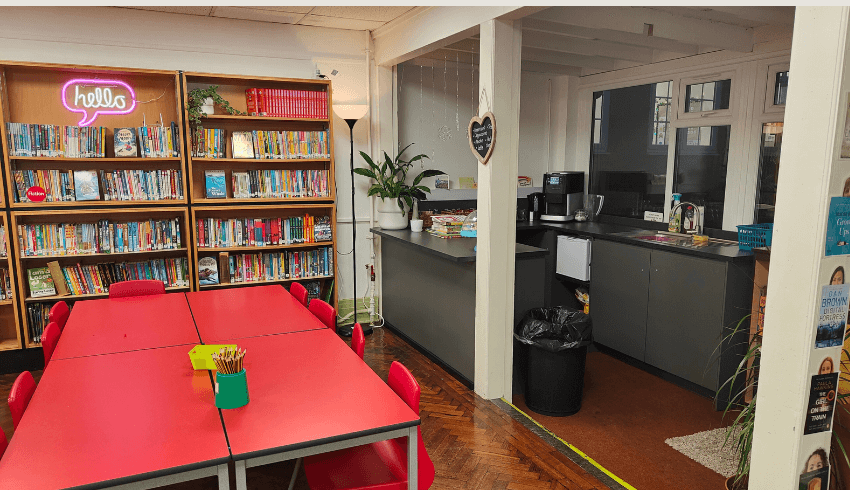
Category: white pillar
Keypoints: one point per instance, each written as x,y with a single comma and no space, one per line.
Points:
499,88
811,173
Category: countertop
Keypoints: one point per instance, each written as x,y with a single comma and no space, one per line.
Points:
610,231
454,249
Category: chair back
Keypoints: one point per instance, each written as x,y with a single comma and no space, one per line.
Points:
324,312
136,288
3,443
49,339
402,382
20,396
358,341
300,293
59,314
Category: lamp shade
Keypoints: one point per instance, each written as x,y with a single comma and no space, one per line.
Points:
355,111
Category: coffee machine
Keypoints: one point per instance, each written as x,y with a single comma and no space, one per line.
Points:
563,195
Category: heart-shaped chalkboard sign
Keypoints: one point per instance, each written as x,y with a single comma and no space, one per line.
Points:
482,136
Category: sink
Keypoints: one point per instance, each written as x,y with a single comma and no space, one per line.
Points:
674,239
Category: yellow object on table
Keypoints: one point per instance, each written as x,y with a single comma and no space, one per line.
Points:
201,355
700,238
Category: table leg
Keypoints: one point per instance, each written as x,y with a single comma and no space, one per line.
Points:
223,477
412,459
241,480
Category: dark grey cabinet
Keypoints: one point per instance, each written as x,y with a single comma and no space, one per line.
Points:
670,310
619,282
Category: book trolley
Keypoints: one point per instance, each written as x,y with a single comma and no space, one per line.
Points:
61,172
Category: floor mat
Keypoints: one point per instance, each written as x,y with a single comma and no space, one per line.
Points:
710,449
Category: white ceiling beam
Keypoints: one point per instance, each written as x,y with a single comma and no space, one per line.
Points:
428,28
774,15
665,25
569,59
538,67
530,23
587,47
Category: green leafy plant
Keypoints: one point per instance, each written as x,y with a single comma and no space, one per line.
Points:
197,96
391,178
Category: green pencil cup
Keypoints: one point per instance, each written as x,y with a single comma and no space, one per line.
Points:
231,390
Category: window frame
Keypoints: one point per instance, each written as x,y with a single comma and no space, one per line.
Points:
602,146
770,88
730,75
652,148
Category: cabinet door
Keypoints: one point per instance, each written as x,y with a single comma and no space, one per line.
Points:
685,316
619,282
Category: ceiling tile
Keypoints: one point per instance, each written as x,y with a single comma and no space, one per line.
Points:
249,13
178,10
285,8
383,14
337,23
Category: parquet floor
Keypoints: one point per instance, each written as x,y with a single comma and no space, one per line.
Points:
474,443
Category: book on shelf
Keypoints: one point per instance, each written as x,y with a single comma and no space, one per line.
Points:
265,145
209,143
102,237
142,185
159,141
38,315
58,278
308,104
58,185
96,278
251,184
40,282
281,265
48,140
86,187
216,185
5,285
4,251
314,289
207,271
260,232
242,144
125,142
223,267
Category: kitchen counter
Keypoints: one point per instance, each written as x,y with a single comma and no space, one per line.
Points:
454,249
613,232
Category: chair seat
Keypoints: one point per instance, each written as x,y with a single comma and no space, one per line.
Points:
379,466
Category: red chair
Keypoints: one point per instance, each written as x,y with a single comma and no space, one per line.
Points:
49,339
358,341
300,293
136,288
20,396
3,443
377,466
324,312
59,314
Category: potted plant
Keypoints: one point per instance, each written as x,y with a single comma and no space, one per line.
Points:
202,102
392,187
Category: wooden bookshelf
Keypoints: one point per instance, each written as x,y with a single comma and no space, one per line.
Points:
262,212
24,262
232,88
31,94
10,332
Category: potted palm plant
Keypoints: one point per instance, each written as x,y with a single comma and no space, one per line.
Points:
392,188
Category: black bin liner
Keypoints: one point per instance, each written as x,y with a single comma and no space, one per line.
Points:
557,340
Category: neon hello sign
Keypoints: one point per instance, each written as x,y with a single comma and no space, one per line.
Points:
97,101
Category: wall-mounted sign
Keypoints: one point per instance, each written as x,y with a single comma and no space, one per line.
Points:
36,194
482,136
96,97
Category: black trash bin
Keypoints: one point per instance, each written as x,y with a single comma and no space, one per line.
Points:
557,340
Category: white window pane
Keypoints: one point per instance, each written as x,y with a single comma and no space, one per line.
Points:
598,110
708,90
693,136
708,105
597,128
705,136
695,106
662,89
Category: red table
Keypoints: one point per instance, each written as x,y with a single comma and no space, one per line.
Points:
106,326
307,394
102,421
223,315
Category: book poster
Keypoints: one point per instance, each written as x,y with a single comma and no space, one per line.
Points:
821,403
815,480
838,226
832,318
845,140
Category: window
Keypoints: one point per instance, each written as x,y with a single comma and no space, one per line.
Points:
777,88
780,88
702,157
707,96
623,168
771,144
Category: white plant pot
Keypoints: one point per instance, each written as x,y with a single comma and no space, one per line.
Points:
209,106
390,217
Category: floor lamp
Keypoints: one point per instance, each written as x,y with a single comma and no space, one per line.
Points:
352,114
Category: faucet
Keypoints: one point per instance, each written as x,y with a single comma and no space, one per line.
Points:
697,228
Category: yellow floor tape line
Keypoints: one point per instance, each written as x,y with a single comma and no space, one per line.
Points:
577,451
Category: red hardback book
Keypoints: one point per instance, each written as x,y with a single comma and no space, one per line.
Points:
251,101
261,102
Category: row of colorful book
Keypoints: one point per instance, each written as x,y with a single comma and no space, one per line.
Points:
3,247
260,232
102,237
309,104
5,285
270,266
81,279
265,184
142,185
153,141
49,140
280,144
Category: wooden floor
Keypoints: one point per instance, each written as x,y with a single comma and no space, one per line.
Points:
474,443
